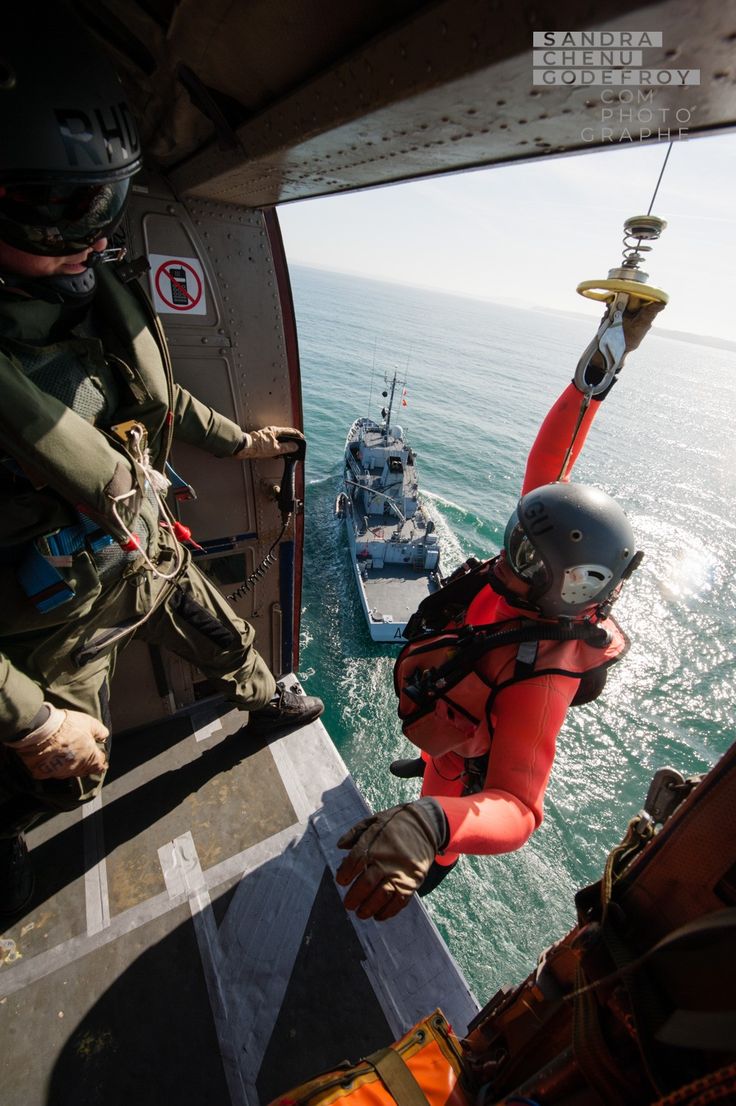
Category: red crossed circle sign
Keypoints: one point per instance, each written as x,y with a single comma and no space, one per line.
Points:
179,295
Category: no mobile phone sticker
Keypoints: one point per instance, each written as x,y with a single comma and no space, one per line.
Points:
177,285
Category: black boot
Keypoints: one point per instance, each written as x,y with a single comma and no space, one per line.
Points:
16,875
287,710
434,877
411,769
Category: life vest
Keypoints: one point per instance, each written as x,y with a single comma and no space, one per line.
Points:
448,676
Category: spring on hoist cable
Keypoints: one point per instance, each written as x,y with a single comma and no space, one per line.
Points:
633,250
637,230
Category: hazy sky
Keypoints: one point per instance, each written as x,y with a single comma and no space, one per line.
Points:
528,234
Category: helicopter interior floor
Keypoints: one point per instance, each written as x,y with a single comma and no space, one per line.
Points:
187,942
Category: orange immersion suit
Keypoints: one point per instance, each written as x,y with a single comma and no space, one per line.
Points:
520,731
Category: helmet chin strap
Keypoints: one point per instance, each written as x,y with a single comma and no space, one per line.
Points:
511,597
77,289
73,289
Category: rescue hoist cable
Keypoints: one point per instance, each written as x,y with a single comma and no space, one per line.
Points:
624,289
659,178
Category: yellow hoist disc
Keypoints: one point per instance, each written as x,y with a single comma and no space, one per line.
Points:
606,290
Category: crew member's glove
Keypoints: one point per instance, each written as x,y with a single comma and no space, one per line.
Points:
390,855
69,743
269,442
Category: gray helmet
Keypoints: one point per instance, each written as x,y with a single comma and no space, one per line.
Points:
573,544
70,144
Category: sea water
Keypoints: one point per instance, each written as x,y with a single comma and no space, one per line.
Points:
480,378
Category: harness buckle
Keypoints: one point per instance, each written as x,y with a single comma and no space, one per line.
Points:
133,435
182,491
610,342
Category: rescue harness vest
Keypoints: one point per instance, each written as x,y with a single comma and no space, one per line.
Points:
447,677
76,372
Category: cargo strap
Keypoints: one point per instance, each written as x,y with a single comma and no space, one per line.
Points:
660,1030
590,1048
666,791
397,1078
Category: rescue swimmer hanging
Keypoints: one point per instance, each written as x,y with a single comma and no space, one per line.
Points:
496,657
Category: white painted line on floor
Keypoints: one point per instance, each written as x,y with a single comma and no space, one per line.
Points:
183,874
290,777
27,971
96,897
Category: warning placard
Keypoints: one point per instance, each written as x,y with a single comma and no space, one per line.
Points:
177,285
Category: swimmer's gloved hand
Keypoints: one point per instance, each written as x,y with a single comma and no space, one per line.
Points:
636,325
271,441
390,855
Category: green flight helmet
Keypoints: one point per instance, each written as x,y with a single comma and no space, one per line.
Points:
70,143
573,545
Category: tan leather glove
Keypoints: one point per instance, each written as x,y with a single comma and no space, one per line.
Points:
69,743
390,855
260,444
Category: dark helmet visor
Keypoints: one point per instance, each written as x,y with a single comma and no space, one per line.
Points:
522,556
54,219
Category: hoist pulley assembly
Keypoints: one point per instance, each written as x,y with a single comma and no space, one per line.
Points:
628,277
625,291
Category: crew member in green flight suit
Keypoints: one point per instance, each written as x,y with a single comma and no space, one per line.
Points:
84,560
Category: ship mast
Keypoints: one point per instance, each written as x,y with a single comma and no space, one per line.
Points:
387,410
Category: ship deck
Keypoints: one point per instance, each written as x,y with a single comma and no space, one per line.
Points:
396,590
390,528
187,942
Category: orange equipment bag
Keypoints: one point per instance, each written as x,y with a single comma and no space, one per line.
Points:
423,1068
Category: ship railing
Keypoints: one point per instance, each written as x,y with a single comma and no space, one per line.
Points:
353,465
379,495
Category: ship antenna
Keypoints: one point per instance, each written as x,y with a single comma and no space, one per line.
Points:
373,373
390,405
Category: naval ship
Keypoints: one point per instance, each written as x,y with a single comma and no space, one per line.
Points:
394,547
187,942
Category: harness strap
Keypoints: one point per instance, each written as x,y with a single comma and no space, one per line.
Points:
474,642
480,642
160,338
397,1078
